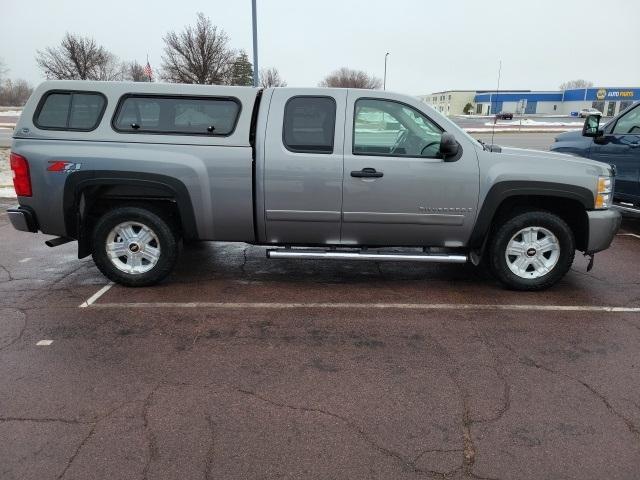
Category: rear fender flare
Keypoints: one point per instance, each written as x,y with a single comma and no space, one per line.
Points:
162,186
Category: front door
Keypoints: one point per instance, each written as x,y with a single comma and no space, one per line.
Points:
397,190
303,166
620,147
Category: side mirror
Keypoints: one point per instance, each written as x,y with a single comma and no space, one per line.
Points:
448,147
591,126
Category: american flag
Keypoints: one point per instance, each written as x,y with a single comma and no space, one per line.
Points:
147,70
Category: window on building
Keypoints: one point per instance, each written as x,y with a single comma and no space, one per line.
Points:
625,104
309,124
385,127
555,107
65,110
449,97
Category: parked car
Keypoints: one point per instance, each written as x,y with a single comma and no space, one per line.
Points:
504,116
585,112
131,169
616,143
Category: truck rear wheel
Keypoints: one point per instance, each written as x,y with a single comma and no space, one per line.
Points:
532,251
134,246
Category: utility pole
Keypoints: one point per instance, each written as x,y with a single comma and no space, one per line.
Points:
255,44
384,83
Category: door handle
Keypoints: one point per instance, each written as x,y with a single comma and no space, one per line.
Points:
367,173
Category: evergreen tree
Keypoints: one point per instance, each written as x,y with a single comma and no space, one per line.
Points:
241,71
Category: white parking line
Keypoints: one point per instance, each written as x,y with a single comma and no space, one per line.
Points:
402,306
628,235
96,296
44,343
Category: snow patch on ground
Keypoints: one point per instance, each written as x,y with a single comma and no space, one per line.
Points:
11,113
534,123
517,130
7,192
6,177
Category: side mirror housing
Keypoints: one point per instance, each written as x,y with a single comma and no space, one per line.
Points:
449,147
591,127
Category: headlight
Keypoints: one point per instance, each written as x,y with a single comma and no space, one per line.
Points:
605,192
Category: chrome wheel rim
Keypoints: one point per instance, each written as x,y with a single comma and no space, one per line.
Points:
133,248
532,252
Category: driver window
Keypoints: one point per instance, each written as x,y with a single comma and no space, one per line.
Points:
388,128
629,123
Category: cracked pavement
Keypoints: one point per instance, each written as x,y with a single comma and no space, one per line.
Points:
203,393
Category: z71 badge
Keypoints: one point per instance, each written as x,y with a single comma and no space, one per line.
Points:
63,166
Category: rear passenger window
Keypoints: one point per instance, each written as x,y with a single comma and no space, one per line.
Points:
70,111
177,115
309,124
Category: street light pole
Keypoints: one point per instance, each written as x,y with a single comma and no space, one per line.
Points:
255,44
384,83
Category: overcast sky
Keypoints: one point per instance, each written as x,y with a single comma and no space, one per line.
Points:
433,45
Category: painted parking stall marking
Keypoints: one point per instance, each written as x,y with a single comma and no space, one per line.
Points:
629,235
90,301
338,305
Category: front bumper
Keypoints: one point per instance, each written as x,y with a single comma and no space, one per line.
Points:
603,225
23,219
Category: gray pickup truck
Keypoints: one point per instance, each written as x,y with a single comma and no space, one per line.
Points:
129,170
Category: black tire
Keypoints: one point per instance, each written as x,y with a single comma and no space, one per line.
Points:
162,227
505,233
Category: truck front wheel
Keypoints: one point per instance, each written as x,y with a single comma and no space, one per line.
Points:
134,246
532,251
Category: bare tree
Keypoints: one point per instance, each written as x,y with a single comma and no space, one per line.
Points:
270,77
78,58
111,69
134,72
3,70
348,78
198,54
579,83
15,93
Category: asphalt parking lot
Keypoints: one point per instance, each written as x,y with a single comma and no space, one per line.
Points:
243,367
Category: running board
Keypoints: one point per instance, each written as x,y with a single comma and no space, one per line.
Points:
626,208
360,255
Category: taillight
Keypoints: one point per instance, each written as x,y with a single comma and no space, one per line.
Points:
21,178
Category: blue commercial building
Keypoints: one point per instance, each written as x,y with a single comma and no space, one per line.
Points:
609,100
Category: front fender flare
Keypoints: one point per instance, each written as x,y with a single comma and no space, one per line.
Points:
508,189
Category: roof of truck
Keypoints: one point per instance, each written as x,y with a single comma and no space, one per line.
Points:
150,87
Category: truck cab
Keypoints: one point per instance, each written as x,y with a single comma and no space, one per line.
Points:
354,167
616,143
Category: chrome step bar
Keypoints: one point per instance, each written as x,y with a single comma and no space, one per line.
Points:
626,208
362,255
